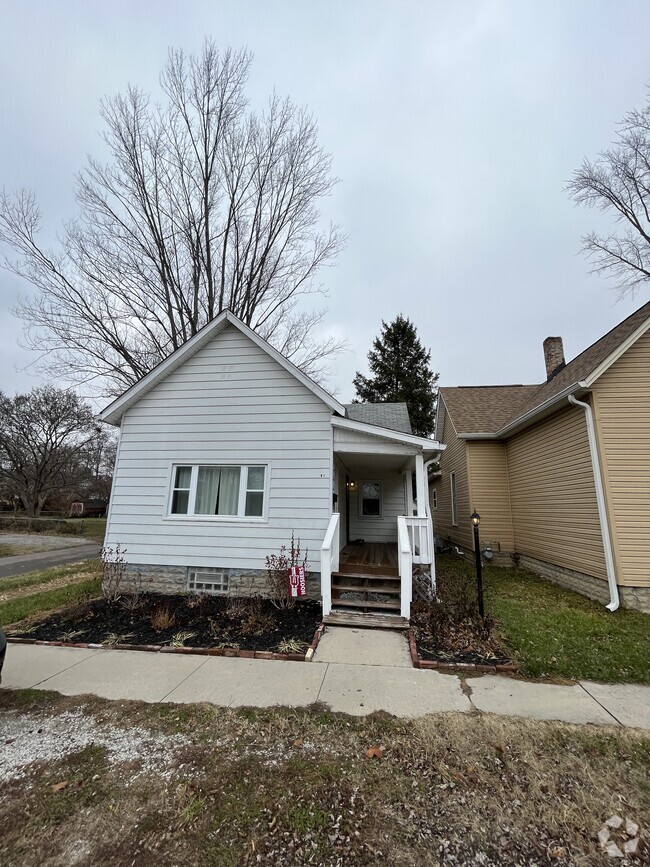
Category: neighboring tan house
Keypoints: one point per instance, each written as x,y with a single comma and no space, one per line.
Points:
226,449
559,472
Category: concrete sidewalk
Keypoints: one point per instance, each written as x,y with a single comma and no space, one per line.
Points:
23,563
351,688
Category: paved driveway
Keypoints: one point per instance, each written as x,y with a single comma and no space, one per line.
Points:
22,563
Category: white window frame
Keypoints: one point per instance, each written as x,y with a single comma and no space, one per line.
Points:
454,499
380,516
240,517
434,498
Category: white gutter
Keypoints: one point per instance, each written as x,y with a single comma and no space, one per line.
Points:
600,499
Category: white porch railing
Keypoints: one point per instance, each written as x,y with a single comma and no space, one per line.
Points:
420,532
414,546
405,564
329,560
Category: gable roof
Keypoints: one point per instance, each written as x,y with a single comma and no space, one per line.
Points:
497,410
114,411
394,416
483,408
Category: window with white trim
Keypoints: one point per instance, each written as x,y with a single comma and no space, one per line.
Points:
434,499
218,490
454,504
370,501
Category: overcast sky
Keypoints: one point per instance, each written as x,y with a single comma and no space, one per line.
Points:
453,127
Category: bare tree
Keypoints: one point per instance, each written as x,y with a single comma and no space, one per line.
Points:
618,182
204,206
46,437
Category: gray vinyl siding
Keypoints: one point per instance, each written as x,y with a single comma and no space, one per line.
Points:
382,529
230,402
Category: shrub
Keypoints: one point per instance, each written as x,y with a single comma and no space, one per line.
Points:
114,570
249,610
163,617
455,603
277,568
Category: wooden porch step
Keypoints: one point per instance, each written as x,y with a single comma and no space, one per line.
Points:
368,570
365,603
389,590
365,576
366,621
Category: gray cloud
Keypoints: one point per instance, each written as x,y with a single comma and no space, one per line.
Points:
453,127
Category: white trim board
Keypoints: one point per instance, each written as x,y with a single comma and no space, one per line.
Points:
386,433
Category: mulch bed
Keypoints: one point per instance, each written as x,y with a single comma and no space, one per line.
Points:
462,642
180,621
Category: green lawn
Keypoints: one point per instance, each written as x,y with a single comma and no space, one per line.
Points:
94,528
555,632
72,582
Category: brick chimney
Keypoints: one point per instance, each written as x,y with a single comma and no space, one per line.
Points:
553,356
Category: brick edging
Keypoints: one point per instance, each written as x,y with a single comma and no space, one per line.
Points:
455,666
230,652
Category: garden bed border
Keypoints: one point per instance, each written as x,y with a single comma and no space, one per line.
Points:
418,662
231,652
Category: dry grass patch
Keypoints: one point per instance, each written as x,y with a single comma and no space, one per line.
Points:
278,786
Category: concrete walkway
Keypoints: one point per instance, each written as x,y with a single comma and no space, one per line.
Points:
23,563
349,687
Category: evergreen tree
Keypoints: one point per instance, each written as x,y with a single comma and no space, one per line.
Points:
401,373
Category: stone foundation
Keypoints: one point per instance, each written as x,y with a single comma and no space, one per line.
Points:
594,588
173,579
587,585
635,597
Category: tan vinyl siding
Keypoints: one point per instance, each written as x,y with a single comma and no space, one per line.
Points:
622,412
454,459
489,494
553,496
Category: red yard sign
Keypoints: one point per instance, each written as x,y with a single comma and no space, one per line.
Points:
297,583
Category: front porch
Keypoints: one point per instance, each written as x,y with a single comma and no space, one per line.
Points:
378,558
380,526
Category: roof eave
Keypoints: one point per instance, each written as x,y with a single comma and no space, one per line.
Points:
528,418
374,430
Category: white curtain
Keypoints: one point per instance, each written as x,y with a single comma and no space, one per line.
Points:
228,499
217,491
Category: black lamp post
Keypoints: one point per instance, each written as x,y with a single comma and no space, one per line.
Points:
476,520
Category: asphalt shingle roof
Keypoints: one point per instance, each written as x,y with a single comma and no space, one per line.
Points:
394,416
484,408
487,409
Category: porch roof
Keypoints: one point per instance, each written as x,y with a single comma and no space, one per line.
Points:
356,436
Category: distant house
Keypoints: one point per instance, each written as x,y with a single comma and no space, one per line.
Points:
226,449
93,508
559,472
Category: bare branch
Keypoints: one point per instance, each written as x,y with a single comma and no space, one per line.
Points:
204,206
618,183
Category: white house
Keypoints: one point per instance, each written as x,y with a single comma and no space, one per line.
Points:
226,448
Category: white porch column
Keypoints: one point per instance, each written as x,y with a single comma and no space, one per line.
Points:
408,490
420,486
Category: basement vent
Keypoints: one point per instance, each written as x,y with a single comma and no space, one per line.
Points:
207,581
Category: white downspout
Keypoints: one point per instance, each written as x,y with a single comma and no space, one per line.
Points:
600,499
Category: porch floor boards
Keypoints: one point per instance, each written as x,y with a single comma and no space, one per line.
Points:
374,558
